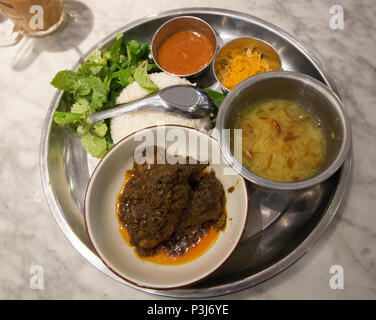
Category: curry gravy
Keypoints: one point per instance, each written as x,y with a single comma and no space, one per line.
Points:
205,243
189,247
185,52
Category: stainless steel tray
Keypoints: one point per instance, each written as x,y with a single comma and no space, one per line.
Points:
271,244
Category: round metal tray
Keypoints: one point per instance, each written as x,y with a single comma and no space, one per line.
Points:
282,227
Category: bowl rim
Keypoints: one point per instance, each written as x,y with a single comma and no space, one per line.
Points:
318,86
223,87
153,54
199,279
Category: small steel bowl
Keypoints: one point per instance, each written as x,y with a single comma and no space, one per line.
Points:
270,55
179,24
303,89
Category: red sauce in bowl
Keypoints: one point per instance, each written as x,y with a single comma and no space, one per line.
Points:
185,52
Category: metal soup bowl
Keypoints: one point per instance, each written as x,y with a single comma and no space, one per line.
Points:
178,24
304,90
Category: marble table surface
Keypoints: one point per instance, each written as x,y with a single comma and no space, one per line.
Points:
31,239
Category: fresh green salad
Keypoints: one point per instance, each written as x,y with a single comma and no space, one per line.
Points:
96,85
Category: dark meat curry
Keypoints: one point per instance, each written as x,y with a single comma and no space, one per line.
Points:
169,207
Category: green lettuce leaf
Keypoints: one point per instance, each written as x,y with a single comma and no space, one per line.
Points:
143,79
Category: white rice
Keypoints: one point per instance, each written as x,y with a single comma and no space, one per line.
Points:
128,123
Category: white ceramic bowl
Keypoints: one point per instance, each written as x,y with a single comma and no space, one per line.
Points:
103,227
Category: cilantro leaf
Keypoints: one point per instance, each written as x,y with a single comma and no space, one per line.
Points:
96,85
80,106
81,87
113,92
100,128
133,50
82,129
65,80
94,145
61,117
152,67
115,50
144,51
96,57
91,68
110,142
99,92
124,76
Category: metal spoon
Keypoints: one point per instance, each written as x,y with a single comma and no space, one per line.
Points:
185,100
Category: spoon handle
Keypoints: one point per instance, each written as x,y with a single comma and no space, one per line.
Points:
151,102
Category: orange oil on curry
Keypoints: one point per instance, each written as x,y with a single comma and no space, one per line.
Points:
161,257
